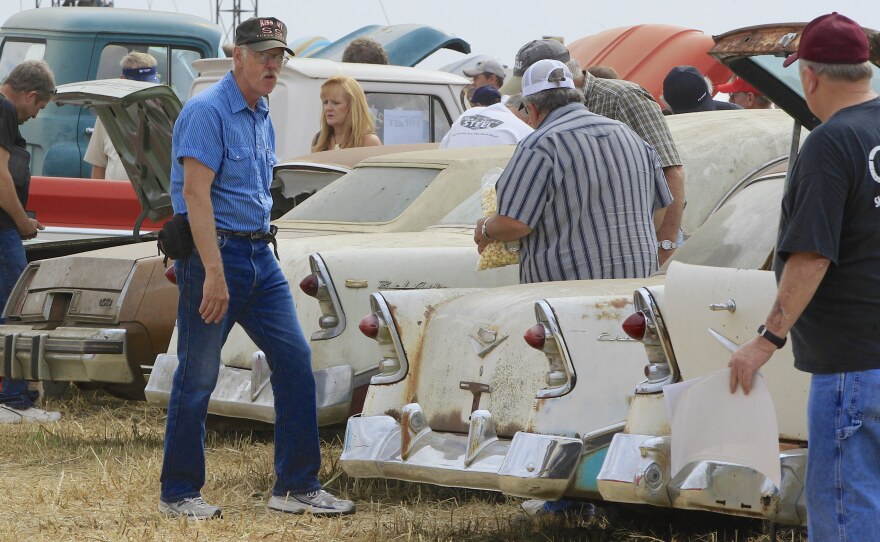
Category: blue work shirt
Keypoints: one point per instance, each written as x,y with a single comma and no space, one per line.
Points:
218,129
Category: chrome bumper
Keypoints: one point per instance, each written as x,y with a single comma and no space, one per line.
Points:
72,354
246,393
636,470
529,465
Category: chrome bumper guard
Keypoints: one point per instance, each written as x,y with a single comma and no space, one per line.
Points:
636,470
529,465
72,354
246,393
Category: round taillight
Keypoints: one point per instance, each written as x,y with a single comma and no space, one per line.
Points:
535,336
635,325
310,285
170,274
369,325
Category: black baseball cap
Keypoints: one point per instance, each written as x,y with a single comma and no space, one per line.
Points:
262,33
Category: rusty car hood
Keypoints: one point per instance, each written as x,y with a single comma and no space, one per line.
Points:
756,54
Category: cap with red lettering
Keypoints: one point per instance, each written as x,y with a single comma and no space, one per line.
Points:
262,33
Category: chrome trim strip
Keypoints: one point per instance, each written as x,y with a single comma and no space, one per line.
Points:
320,268
544,314
377,302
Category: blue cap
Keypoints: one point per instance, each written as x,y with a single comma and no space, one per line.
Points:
148,75
485,95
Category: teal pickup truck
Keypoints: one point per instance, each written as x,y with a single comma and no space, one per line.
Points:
82,44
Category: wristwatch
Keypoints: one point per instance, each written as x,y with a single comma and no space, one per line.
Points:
777,341
666,244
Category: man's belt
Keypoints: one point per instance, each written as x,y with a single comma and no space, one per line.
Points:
269,237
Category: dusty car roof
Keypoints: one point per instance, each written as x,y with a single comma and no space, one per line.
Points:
318,68
351,157
134,21
440,157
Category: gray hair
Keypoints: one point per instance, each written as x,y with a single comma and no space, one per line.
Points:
137,59
514,101
32,76
574,66
840,72
554,98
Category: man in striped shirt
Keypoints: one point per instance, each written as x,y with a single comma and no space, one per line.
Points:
580,193
224,149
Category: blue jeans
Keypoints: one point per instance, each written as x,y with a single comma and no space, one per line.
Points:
261,302
14,393
843,471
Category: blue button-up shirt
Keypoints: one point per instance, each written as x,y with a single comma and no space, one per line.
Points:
218,129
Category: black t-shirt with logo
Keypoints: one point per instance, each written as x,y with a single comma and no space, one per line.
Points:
19,157
833,208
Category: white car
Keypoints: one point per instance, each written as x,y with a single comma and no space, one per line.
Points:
461,401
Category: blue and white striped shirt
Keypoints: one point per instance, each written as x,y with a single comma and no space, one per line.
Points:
218,129
587,185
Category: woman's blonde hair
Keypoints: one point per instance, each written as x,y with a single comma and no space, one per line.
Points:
359,123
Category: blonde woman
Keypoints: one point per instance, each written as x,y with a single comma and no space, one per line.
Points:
346,121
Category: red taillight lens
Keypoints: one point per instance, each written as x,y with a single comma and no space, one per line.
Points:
535,336
369,325
310,285
171,274
635,325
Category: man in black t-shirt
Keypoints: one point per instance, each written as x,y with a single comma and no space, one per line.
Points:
828,269
26,90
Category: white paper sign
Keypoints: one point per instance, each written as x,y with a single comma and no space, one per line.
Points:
405,126
711,424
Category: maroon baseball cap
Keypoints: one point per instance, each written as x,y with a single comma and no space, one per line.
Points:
832,39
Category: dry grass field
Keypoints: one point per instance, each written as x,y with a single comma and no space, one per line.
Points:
94,476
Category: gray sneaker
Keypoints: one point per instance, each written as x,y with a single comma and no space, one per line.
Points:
28,415
318,503
193,508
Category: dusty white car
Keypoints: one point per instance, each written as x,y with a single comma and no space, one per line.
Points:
341,273
104,315
689,325
459,400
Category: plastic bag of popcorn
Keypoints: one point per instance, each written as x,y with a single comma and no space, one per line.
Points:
496,253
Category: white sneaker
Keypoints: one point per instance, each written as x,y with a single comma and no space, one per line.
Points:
193,508
33,414
318,503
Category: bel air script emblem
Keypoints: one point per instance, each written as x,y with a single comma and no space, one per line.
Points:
605,336
485,340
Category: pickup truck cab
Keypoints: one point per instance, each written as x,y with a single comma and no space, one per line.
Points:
82,44
408,105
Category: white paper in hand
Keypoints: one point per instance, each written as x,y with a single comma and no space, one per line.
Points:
711,424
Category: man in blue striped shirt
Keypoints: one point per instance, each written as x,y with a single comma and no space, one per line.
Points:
224,149
580,193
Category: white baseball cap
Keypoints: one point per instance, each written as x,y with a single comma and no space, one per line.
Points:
546,74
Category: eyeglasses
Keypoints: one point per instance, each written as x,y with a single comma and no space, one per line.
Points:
263,57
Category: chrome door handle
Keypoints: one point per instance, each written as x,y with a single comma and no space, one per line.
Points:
89,131
728,305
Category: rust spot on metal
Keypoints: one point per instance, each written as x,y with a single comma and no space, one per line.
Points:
405,437
448,421
414,356
394,413
612,309
509,429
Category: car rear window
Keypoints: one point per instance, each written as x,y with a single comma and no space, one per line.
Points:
467,213
367,194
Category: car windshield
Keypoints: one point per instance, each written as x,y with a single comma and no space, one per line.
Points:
467,213
367,194
789,76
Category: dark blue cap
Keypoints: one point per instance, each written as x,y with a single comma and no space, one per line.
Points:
485,95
